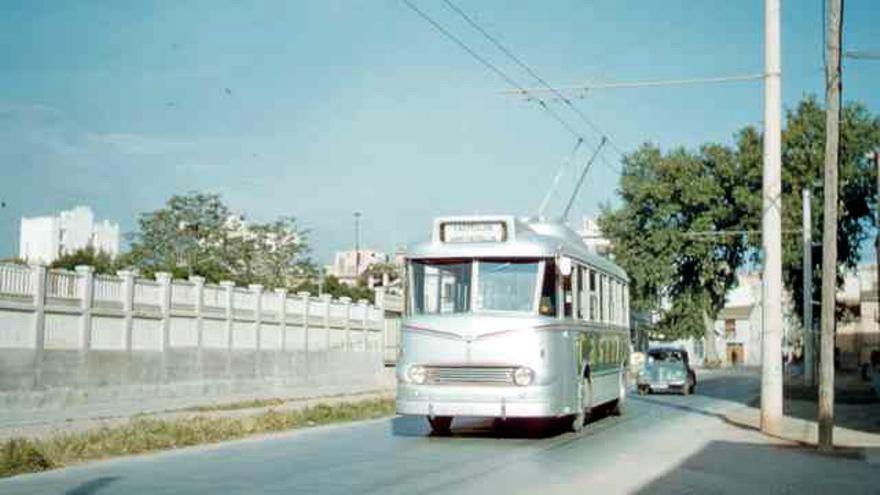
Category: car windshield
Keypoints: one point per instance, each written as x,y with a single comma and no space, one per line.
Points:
446,286
666,356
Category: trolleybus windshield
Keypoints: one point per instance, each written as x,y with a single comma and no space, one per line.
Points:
446,286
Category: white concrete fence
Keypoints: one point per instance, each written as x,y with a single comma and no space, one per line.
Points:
76,341
44,308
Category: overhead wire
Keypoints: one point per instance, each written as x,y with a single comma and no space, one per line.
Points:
492,67
533,73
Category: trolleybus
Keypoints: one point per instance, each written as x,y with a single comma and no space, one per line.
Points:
511,318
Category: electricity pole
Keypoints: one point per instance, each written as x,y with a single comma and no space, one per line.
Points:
357,245
771,226
809,336
829,228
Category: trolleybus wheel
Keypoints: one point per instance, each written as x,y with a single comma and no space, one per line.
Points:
618,406
577,422
440,425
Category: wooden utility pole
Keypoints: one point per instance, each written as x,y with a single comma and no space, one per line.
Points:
829,228
771,226
809,334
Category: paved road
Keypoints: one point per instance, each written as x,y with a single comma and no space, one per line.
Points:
663,444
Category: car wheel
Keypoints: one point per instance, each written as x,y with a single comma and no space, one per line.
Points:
440,425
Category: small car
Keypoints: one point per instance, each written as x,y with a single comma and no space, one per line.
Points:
666,369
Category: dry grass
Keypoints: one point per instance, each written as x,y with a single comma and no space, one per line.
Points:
141,435
231,406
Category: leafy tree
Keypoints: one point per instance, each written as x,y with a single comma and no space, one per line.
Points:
197,234
803,161
337,289
665,197
671,200
190,235
101,260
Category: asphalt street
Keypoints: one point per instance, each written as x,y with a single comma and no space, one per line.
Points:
662,444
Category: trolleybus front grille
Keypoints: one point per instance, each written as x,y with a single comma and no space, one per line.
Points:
482,375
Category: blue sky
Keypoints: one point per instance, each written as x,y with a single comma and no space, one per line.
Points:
337,106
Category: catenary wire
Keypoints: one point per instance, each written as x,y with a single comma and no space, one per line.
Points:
492,67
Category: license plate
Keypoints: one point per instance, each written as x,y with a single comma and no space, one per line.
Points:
660,386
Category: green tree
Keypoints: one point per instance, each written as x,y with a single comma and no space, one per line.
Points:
665,197
190,235
670,201
197,234
803,161
337,289
101,260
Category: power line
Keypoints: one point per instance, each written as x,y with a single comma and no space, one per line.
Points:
532,72
644,84
862,54
489,65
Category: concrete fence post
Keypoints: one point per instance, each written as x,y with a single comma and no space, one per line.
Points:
257,291
127,305
380,304
199,308
38,283
164,279
364,304
305,296
281,316
327,298
86,280
228,286
347,302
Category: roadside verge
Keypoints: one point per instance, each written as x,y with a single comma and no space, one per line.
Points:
171,430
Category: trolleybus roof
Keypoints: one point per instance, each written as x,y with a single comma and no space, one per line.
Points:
504,236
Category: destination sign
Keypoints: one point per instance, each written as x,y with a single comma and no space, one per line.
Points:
459,232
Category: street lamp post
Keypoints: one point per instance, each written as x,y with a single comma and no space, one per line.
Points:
357,245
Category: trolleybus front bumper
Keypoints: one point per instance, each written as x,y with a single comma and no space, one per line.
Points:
497,402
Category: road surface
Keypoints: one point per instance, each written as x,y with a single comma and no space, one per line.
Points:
662,444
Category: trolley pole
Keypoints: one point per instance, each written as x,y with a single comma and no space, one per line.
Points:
809,335
771,228
829,228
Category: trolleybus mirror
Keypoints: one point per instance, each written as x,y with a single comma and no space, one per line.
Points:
565,266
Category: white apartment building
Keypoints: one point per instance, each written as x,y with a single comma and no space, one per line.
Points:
45,239
593,237
344,263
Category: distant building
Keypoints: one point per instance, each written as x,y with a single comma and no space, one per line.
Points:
738,326
859,332
45,239
593,237
344,264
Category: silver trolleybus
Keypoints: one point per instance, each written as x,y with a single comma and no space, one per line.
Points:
511,318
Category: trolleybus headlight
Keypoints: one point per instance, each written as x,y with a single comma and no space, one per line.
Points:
523,376
417,374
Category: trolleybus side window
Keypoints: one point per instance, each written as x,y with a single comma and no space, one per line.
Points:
580,293
594,301
548,290
567,297
441,287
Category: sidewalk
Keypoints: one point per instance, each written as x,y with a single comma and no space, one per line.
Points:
856,415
